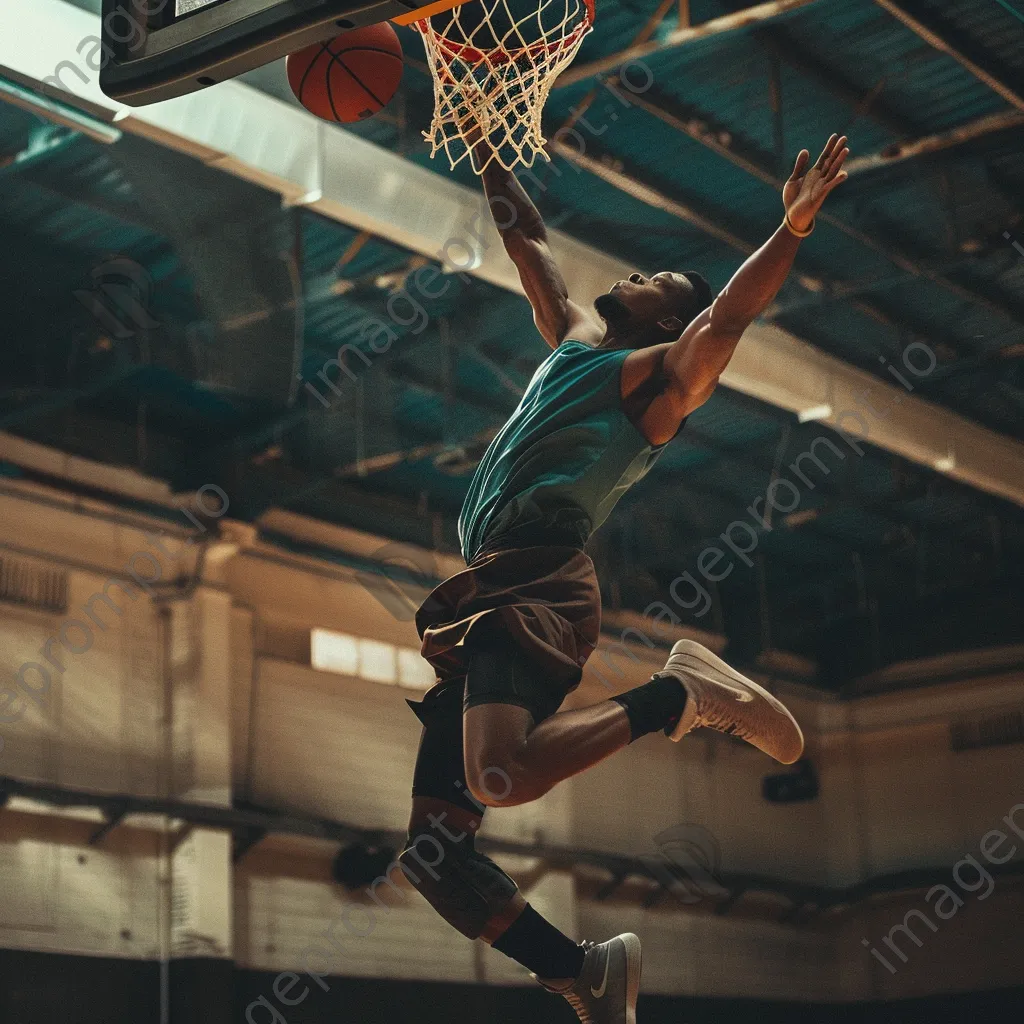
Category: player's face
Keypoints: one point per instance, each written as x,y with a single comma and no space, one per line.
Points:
643,301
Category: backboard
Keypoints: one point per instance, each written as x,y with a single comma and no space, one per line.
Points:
159,49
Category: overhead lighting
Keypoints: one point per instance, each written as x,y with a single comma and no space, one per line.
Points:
815,412
946,463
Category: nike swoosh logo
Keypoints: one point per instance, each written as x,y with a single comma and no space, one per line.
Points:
597,993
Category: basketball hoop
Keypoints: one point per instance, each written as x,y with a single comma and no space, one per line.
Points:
493,68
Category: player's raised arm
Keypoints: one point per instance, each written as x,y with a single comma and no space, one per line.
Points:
694,363
526,241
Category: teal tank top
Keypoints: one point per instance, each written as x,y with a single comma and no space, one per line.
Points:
566,455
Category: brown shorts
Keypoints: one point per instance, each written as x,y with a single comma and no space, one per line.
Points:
544,598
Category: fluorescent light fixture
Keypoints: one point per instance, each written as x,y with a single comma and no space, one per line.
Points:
815,412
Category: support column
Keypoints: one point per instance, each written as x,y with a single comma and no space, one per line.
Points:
199,982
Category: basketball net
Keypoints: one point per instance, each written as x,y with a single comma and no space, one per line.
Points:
493,71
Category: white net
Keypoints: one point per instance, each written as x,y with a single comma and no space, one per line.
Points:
493,68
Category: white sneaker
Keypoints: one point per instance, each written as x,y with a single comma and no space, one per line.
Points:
609,984
718,697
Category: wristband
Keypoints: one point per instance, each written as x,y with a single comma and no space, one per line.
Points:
793,230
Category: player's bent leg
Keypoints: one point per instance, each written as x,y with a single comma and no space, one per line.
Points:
440,859
470,891
494,737
464,886
475,896
510,761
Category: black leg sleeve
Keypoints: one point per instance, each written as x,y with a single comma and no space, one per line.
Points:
440,765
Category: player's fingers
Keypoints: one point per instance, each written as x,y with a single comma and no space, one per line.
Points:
837,180
836,164
801,164
826,152
837,151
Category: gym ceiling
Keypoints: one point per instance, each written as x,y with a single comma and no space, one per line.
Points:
881,559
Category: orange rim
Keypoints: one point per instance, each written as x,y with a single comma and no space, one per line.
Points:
421,13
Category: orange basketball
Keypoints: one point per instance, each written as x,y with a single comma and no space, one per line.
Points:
349,78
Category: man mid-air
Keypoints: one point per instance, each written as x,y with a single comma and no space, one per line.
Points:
508,637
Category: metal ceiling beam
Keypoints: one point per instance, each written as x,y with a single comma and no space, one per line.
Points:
943,45
899,152
281,147
748,17
778,42
56,112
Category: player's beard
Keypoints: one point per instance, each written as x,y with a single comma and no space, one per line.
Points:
612,310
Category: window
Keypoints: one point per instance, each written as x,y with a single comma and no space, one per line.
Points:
371,660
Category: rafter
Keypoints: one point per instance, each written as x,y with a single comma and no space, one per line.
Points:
695,127
900,152
744,19
934,37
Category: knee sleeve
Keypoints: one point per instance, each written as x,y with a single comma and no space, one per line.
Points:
466,888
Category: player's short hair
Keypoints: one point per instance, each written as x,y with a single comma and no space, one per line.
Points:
698,300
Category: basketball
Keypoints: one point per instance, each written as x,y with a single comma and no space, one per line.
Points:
350,77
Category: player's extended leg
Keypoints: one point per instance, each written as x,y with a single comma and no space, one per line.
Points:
477,898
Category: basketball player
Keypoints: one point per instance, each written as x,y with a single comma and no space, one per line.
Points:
509,635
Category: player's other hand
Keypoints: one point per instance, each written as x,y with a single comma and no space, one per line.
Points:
808,186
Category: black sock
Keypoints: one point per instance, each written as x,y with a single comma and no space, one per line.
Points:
655,705
540,947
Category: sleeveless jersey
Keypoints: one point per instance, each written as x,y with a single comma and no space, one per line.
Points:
566,455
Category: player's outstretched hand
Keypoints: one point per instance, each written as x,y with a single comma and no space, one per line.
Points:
808,186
